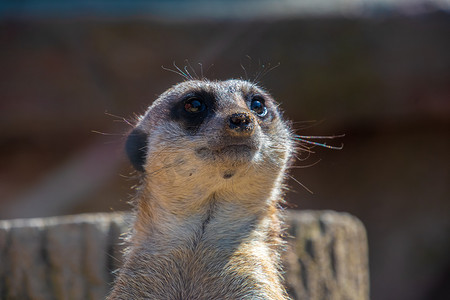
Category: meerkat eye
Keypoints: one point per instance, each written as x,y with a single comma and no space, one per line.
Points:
194,105
257,105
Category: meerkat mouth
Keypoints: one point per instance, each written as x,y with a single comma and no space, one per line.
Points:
236,148
233,153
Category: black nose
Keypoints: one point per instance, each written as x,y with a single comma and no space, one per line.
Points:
241,123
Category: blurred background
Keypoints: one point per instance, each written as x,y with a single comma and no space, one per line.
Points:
74,73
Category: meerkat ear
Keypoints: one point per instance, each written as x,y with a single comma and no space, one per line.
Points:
136,148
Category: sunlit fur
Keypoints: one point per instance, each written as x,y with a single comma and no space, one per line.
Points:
197,234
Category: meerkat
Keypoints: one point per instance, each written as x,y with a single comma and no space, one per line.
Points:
212,157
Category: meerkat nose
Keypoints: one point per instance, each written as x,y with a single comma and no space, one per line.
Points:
241,123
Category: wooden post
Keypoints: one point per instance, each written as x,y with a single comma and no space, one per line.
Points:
327,256
73,257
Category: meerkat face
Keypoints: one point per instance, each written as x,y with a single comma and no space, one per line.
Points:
210,132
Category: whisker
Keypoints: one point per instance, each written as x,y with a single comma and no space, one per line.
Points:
301,184
192,69
177,71
245,70
307,166
187,72
201,70
321,144
304,148
307,124
302,159
107,134
330,137
120,118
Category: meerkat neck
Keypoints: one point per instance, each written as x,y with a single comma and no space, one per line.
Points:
213,221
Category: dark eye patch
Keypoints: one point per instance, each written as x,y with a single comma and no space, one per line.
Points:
192,109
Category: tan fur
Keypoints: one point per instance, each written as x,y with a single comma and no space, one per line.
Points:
196,234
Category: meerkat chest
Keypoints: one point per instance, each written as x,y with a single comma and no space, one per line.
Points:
203,271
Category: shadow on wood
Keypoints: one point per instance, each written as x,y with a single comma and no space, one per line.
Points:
73,257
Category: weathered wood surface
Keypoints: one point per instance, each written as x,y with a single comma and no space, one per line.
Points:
327,256
73,257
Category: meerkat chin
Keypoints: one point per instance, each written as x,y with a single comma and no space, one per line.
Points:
212,157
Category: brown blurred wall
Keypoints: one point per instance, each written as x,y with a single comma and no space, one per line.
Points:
384,82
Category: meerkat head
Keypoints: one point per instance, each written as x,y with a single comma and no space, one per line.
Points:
211,133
